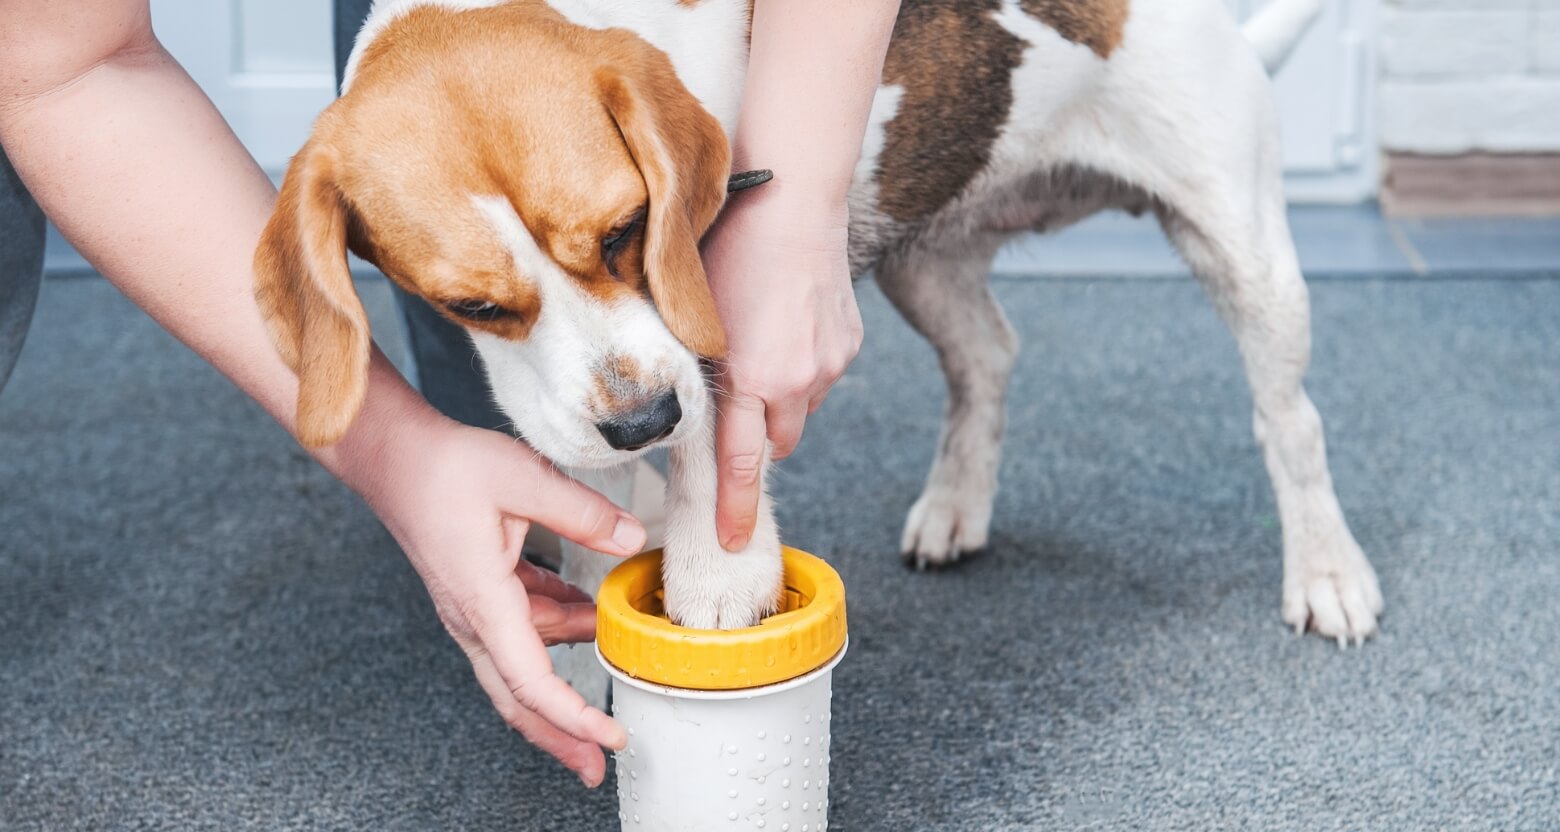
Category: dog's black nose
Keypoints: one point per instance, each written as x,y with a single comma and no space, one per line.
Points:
637,428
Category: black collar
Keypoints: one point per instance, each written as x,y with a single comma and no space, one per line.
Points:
748,179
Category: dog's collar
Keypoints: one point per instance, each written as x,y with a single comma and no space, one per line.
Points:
748,179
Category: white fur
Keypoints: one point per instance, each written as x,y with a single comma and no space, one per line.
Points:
705,42
706,586
1178,120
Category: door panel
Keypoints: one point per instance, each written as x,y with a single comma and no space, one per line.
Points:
266,64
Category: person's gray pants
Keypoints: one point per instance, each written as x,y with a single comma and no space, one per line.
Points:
21,264
449,373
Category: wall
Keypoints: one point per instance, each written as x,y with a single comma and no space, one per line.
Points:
1460,76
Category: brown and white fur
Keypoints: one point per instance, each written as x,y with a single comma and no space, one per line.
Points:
482,152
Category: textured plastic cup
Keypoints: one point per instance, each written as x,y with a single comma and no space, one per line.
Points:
727,729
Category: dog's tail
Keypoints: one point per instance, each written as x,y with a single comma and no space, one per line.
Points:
1277,27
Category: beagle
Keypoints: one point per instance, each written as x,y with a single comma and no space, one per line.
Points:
541,171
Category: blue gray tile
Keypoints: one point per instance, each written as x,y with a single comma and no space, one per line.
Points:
1485,243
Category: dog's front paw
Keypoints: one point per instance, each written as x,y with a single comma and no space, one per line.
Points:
945,524
1332,590
717,590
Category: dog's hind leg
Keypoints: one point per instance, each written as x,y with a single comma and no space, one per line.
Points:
943,292
1235,235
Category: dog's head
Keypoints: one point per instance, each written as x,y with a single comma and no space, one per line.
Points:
544,186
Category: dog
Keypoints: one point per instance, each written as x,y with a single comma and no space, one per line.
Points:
542,171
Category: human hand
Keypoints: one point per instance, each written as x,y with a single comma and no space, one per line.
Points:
779,271
459,501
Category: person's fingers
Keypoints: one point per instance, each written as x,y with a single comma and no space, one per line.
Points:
503,626
546,496
785,423
542,582
563,623
816,402
739,465
583,758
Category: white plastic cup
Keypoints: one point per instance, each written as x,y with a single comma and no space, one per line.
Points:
722,760
709,761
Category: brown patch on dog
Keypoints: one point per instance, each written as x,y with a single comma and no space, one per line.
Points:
618,385
1097,24
955,64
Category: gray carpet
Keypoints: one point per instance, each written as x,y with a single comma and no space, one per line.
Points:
199,629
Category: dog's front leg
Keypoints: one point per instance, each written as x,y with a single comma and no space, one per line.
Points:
706,586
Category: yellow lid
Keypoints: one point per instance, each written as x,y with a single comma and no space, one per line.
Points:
633,633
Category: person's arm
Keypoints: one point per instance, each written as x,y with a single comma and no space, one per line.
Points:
140,172
776,258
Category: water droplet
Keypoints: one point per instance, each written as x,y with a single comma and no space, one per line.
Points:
731,793
806,784
760,756
633,775
636,818
786,762
804,806
785,804
786,783
761,735
732,772
731,749
806,740
807,718
786,739
759,823
761,801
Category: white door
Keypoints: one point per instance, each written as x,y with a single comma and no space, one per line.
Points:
1326,103
267,64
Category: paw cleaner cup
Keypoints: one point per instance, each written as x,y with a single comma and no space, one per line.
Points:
727,729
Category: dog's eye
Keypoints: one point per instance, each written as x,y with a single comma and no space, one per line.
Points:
481,311
618,239
619,236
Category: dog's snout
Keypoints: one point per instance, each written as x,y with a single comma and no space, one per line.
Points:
643,425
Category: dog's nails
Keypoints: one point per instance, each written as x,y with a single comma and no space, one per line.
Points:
1343,642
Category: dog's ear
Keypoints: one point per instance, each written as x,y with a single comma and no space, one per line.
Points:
683,156
305,292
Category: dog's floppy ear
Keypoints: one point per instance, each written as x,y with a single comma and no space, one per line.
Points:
305,292
683,156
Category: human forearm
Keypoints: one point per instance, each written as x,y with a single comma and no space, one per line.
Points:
812,72
140,172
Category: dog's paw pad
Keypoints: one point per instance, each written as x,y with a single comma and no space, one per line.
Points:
945,525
